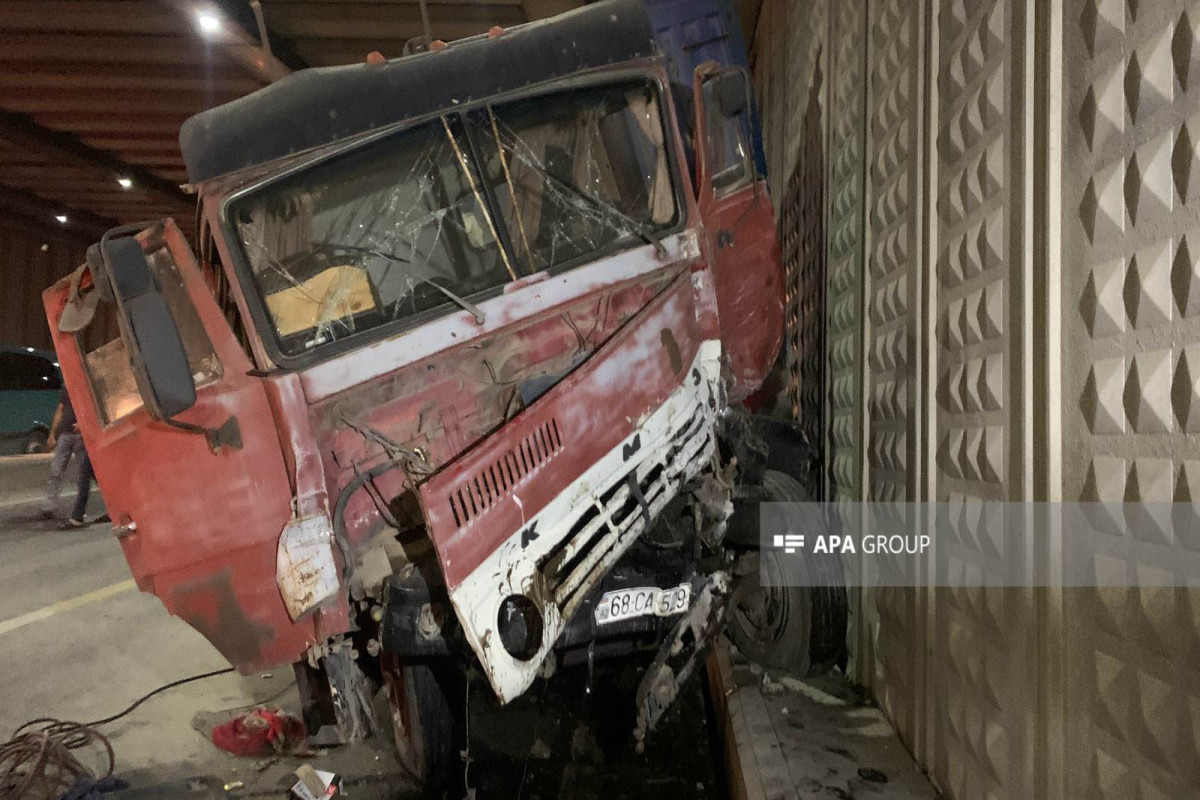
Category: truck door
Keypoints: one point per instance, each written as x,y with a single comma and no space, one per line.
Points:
736,209
192,471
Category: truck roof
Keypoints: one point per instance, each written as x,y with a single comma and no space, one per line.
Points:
315,107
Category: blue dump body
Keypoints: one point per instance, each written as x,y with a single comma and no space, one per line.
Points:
691,32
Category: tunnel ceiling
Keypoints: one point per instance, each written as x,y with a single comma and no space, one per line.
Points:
92,92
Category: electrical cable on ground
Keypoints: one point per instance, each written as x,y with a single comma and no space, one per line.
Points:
159,690
37,761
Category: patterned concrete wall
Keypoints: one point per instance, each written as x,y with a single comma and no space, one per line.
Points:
983,718
1012,234
1131,387
845,282
845,251
891,325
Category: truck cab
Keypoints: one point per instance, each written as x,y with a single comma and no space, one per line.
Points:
439,383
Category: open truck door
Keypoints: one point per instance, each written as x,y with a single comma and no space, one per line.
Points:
172,406
736,208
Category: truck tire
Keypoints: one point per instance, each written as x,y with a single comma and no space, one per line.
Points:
428,706
797,628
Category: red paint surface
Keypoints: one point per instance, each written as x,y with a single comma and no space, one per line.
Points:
747,267
207,524
445,404
593,409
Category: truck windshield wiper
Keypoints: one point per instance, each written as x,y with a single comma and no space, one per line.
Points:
480,317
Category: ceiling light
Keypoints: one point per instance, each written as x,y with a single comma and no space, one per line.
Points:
62,218
209,23
125,183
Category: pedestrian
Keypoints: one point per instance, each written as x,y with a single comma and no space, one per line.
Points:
68,446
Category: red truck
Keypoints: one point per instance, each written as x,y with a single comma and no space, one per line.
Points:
449,384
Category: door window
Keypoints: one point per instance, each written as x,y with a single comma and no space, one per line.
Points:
728,139
576,172
108,365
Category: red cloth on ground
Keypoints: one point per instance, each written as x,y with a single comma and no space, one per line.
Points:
259,732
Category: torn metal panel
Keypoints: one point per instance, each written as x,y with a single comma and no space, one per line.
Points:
477,502
677,658
560,553
444,406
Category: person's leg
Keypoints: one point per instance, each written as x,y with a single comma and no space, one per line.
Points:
83,490
63,448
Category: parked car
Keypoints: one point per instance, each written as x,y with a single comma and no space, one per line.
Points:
30,383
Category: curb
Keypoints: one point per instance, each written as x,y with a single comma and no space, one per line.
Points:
754,763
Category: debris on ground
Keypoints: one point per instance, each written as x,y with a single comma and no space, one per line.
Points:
815,739
540,750
314,784
806,689
260,732
584,747
872,775
771,687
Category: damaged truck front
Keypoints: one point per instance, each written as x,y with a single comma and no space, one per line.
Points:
444,388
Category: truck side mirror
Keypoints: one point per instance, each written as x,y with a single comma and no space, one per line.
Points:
160,362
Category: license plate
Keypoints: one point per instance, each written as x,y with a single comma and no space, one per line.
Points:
629,603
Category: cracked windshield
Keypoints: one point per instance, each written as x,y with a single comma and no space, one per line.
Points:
412,226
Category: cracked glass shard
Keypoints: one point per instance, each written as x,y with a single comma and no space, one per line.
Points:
367,238
577,171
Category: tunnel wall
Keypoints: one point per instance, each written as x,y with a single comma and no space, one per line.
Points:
1007,272
32,257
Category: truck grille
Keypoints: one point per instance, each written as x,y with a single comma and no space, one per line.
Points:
621,513
494,481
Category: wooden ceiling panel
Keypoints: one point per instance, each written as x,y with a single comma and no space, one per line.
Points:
94,90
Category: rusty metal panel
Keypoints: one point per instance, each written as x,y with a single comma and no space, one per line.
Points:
1130,271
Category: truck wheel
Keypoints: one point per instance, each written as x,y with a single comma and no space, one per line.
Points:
428,707
800,628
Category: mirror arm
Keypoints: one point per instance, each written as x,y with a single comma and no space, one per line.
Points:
228,435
